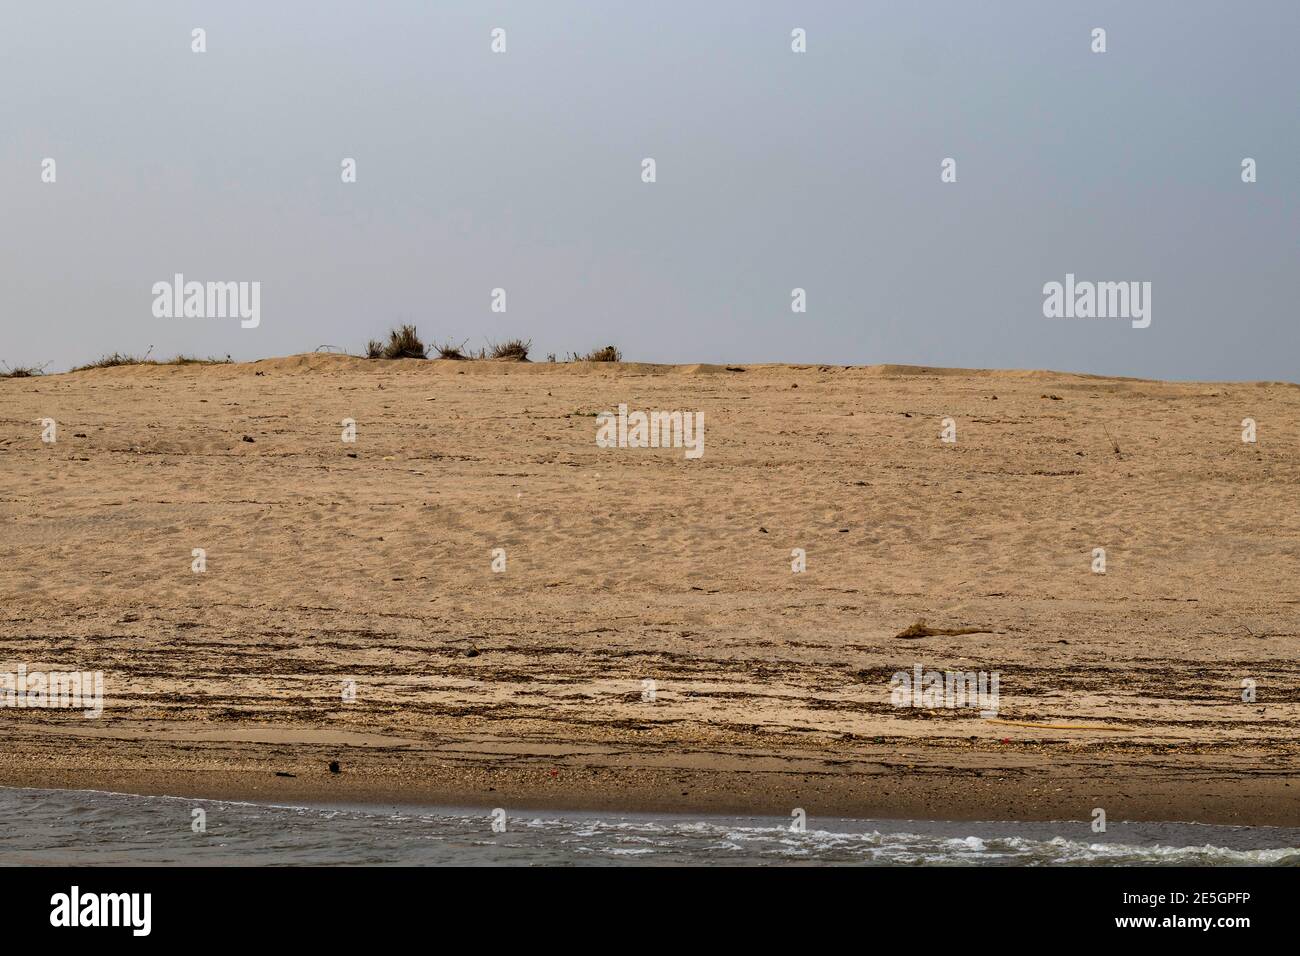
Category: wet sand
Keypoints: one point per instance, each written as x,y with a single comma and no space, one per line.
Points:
772,689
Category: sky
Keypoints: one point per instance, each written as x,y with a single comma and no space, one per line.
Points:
774,170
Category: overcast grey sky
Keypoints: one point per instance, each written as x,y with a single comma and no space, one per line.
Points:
775,170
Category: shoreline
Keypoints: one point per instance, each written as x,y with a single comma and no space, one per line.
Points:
919,781
460,808
113,828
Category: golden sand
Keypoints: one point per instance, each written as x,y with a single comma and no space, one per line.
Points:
329,562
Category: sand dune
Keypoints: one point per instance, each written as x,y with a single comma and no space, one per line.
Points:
371,562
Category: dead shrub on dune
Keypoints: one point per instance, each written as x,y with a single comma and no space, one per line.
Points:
1113,443
117,359
195,360
450,350
515,350
403,342
608,354
21,371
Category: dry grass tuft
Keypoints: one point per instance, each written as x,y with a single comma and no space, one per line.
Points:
21,371
113,361
403,342
195,360
450,350
516,350
119,358
608,354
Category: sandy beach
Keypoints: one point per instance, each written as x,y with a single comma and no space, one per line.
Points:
330,562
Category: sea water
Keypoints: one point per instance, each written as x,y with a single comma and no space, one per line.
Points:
80,827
